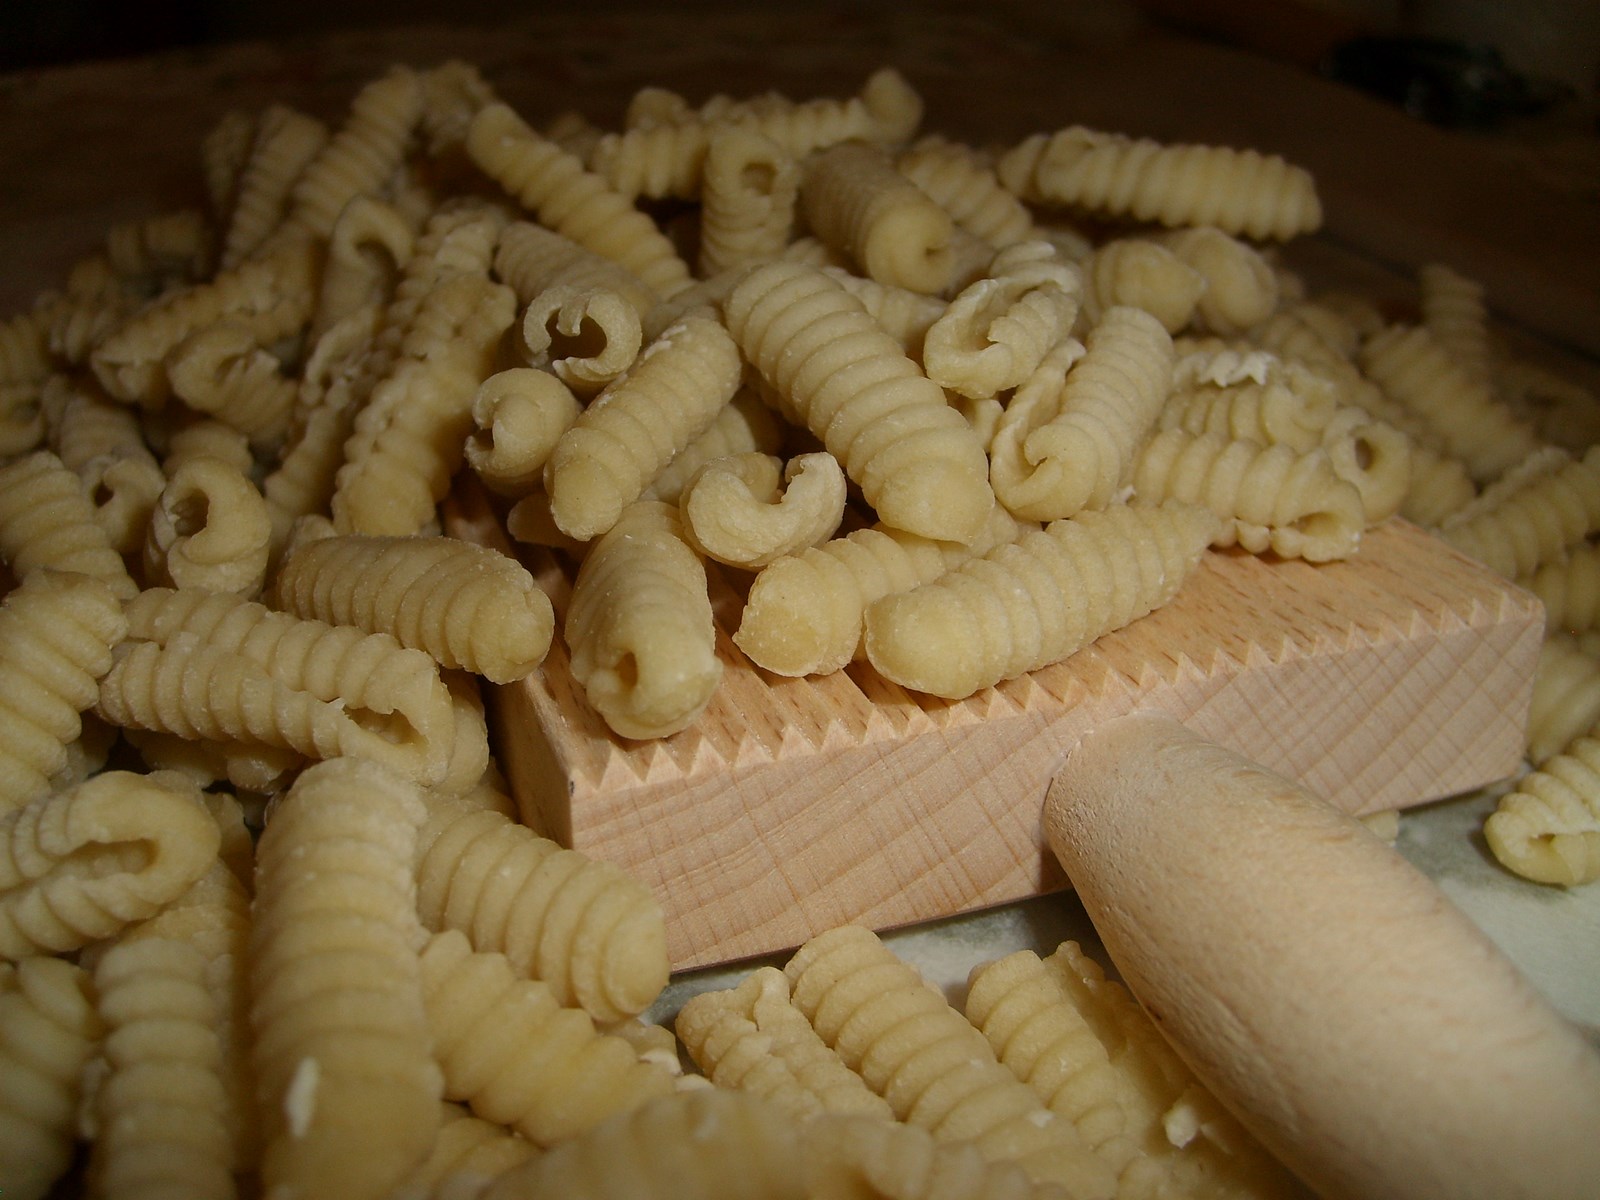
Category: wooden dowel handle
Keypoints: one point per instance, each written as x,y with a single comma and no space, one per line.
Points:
1326,991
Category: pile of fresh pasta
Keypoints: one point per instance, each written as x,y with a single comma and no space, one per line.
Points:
268,917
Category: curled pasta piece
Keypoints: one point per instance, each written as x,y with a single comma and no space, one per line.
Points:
101,442
1532,515
592,933
1241,288
1254,395
48,520
367,249
57,630
510,1050
1547,828
744,425
49,1029
281,143
465,605
518,415
918,463
965,185
1569,588
1138,272
1069,437
78,866
608,456
1566,697
999,616
995,333
748,200
1242,192
639,625
348,1089
571,200
531,259
1268,497
1374,456
935,1070
853,199
210,529
740,511
586,338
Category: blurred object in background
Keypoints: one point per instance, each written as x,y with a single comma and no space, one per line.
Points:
1450,83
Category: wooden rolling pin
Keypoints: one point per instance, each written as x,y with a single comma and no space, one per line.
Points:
1328,993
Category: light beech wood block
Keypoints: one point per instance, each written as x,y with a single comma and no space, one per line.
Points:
1400,676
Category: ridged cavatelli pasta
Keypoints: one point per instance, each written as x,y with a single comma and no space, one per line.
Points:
464,605
904,315
1566,697
102,444
1517,529
348,1088
469,1153
571,200
1455,313
965,185
596,936
918,463
1240,192
22,423
586,338
48,520
752,1038
653,162
223,151
750,509
1069,436
57,633
1439,487
515,1055
518,415
1547,828
1374,456
609,455
210,529
935,1070
1569,588
367,251
150,254
1252,395
748,201
1267,497
221,369
1006,613
79,865
160,1107
744,425
283,141
530,259
1241,288
49,1030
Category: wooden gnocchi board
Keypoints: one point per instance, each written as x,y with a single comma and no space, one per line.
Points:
793,805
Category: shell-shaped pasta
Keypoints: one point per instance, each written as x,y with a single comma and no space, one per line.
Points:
997,330
510,1050
57,631
210,529
1455,313
586,928
518,415
1142,273
571,200
804,614
639,625
465,605
749,509
348,1088
965,185
48,520
586,338
1241,288
1243,192
1548,828
709,1143
918,462
49,1029
1267,497
1566,697
283,142
1069,437
752,1037
79,865
161,1106
608,456
531,259
1569,587
853,199
934,1069
1530,517
748,200
1414,369
1004,614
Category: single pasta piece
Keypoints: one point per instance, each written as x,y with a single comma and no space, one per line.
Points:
48,520
248,766
1455,313
805,613
1374,456
749,198
708,294
1002,615
1566,697
904,315
1569,588
1548,828
1069,437
468,1155
1439,487
451,93
161,1107
101,442
747,510
57,633
608,456
751,1037
919,464
1253,394
49,1029
590,931
79,865
1142,273
531,259
348,1088
965,185
223,151
204,437
510,1051
935,1070
282,141
367,252
997,330
639,625
1241,288
1268,497
744,425
1532,514
586,338
465,605
210,529
518,414
853,199
1242,192
221,369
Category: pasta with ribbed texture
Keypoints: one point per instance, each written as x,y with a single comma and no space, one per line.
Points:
748,200
1241,288
965,185
1547,828
747,510
1569,588
1530,517
518,415
587,338
1566,697
48,520
102,444
210,529
904,315
282,142
1250,394
1454,311
744,425
367,250
468,1155
531,259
